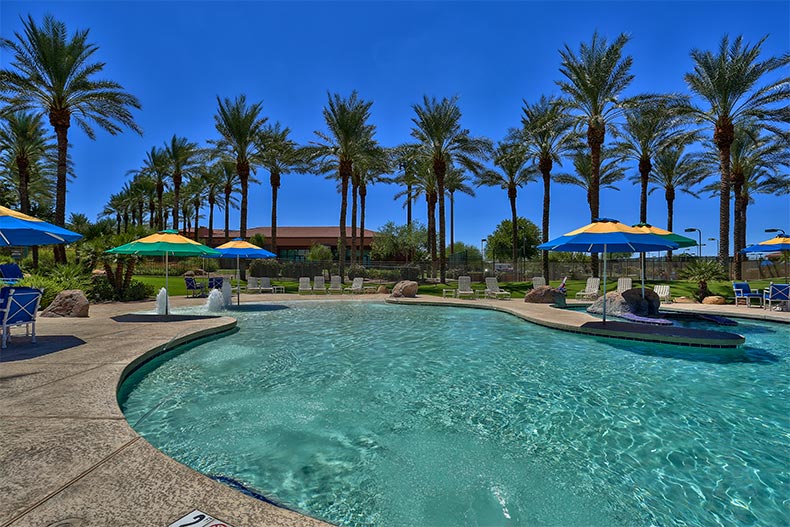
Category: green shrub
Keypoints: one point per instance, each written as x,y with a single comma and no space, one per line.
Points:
703,271
137,290
319,253
49,287
356,271
387,275
100,289
410,272
265,267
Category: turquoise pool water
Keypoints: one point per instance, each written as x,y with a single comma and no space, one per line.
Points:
374,414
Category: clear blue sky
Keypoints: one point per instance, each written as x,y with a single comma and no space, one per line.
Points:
176,57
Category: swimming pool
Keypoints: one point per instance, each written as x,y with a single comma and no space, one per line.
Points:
374,414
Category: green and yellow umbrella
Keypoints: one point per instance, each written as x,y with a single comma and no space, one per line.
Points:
164,243
681,241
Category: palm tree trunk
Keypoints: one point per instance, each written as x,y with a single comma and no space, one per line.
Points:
723,136
22,165
595,139
176,198
363,192
211,203
439,169
738,222
151,213
452,222
409,216
511,195
670,197
61,120
545,166
227,215
160,190
354,201
274,180
243,170
431,199
196,203
345,169
644,172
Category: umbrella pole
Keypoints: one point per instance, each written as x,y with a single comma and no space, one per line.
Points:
167,287
642,266
238,283
604,282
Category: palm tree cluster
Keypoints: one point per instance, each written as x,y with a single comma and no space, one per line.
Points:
657,140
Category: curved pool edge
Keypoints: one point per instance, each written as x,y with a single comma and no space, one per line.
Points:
574,322
70,455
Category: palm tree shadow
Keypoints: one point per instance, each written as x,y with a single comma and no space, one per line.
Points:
23,348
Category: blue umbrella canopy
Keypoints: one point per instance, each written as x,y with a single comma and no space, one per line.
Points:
238,248
777,243
21,230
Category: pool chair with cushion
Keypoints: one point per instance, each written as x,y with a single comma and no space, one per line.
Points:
538,281
357,286
304,285
464,287
776,294
253,284
18,307
265,285
624,284
335,284
194,288
215,282
319,284
11,273
493,290
590,291
743,293
662,290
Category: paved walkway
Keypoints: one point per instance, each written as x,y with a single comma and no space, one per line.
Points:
67,455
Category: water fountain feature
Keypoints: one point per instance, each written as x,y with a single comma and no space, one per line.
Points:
161,302
227,292
215,301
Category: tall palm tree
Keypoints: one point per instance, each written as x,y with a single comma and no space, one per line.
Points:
547,134
25,147
214,181
157,166
349,134
184,157
455,181
437,129
405,157
230,185
239,125
194,194
279,155
511,160
373,167
675,171
611,172
53,74
728,81
424,184
595,79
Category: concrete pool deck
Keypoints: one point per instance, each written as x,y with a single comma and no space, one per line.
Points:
68,456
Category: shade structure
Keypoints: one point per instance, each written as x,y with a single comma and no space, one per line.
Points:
607,235
21,230
682,242
164,243
239,249
777,243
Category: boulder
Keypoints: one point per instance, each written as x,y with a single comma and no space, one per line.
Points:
629,301
405,288
684,300
545,294
714,300
68,303
382,290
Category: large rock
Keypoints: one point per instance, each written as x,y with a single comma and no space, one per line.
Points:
629,301
714,300
382,290
545,294
68,303
405,288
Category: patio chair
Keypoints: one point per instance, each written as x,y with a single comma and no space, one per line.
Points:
10,273
743,292
776,294
18,307
304,285
662,290
356,286
335,284
265,285
624,284
319,284
464,287
215,282
253,284
590,291
538,281
493,290
195,289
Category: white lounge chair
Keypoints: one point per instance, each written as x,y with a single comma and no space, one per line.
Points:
464,287
590,291
662,290
265,285
304,285
253,284
624,284
319,285
538,281
493,290
335,285
356,286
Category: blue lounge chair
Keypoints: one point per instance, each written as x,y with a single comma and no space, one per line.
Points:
776,294
11,273
215,282
744,293
194,288
18,307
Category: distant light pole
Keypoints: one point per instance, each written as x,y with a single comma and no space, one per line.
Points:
483,254
717,244
782,232
699,243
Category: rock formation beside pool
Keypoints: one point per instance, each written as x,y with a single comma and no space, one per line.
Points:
405,288
629,301
545,294
715,300
68,303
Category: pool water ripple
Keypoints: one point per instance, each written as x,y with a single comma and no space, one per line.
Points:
372,414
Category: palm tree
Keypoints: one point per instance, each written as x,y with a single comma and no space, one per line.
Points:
728,82
349,134
611,172
230,185
438,132
194,194
595,79
183,157
25,148
156,166
648,129
214,181
372,169
240,125
675,171
455,181
424,183
511,160
547,135
404,157
279,155
53,74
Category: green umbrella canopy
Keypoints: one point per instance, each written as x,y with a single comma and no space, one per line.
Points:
164,243
682,241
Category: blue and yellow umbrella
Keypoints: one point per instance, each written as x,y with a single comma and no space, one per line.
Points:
21,230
